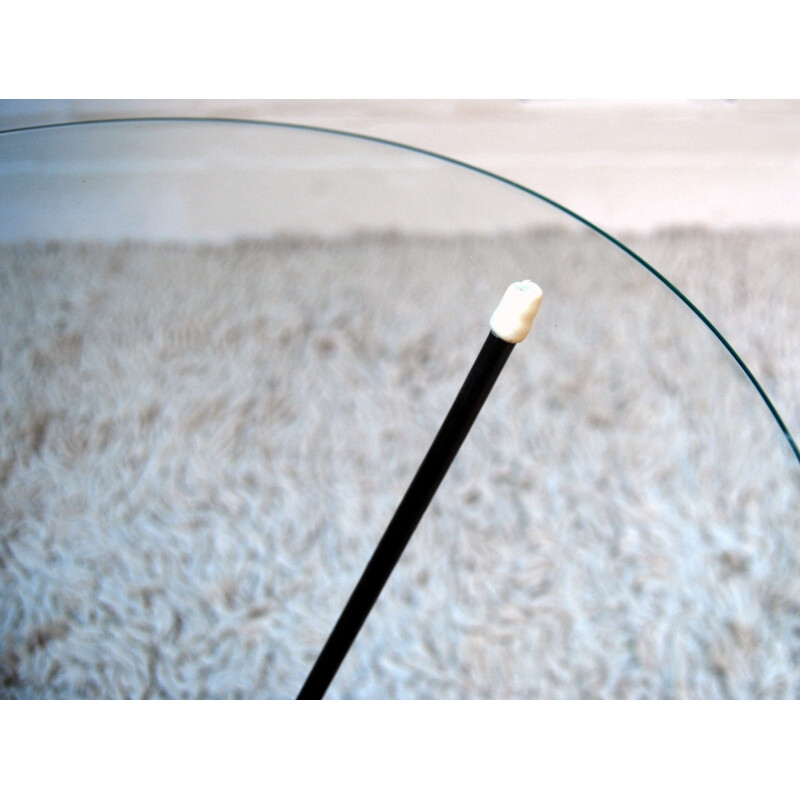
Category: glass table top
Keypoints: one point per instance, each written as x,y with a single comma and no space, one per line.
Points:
225,348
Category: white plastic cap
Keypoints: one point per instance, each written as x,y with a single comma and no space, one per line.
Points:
512,319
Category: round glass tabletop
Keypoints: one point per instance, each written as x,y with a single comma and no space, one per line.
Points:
225,348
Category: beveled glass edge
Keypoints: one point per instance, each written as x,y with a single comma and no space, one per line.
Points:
472,168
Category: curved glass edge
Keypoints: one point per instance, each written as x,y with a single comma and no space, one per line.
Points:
447,159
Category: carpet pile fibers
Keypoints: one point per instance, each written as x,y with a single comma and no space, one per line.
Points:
201,445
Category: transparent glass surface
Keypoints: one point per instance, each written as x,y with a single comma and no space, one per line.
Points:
226,348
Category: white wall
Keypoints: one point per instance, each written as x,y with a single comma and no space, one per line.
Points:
626,166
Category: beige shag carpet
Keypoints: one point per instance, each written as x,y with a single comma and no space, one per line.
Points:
200,447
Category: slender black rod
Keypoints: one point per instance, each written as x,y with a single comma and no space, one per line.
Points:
454,430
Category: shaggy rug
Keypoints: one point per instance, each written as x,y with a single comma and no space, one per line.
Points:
201,446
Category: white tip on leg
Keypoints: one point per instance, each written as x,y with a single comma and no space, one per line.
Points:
512,319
